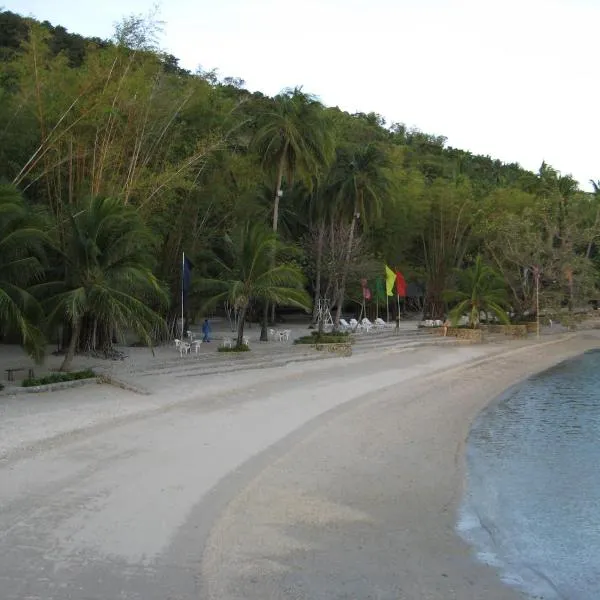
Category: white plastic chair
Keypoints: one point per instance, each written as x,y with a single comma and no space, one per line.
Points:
184,348
284,335
246,341
196,345
227,343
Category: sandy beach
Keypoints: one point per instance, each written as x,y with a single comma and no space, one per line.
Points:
326,479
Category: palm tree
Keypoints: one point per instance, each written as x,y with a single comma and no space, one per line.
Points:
293,138
360,180
247,274
21,250
479,289
107,280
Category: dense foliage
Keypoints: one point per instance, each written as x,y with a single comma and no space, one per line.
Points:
116,161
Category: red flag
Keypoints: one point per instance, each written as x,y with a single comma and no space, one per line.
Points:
400,284
365,290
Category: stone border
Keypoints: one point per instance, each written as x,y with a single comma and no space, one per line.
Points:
341,348
49,387
100,378
509,330
120,383
460,333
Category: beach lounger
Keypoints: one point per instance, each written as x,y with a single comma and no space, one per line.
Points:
366,324
356,326
344,325
381,324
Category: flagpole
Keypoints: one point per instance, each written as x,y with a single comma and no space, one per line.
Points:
387,304
182,279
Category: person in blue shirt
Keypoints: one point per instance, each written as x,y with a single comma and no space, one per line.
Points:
206,331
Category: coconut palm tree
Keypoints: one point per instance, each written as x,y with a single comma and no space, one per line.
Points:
479,289
107,280
247,274
21,249
293,138
361,182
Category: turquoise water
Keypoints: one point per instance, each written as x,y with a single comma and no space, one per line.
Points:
532,505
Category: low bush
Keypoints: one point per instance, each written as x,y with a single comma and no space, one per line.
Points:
58,378
324,338
242,348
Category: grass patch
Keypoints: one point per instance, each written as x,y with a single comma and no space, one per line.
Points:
325,338
242,348
58,378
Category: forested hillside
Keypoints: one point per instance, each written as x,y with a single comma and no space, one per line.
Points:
115,161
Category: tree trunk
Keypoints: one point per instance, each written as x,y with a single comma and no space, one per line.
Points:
435,306
342,292
318,269
240,327
72,346
588,252
264,336
280,169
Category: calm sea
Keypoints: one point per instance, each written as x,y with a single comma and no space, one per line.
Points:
532,506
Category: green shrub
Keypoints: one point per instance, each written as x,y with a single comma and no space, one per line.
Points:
58,378
242,348
325,338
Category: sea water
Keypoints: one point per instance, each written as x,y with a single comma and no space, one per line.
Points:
532,504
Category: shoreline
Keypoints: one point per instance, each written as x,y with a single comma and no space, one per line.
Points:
369,502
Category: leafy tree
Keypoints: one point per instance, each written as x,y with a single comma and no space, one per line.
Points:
479,289
107,278
21,250
246,274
